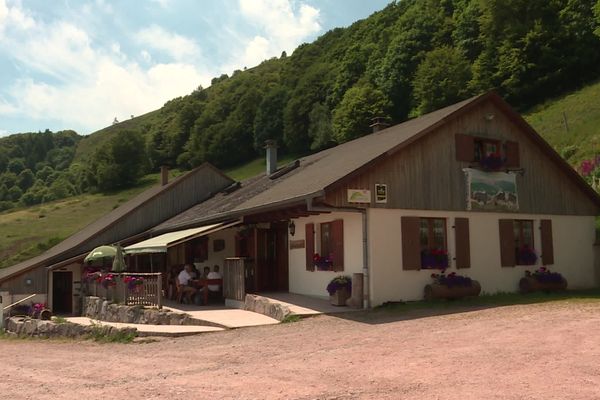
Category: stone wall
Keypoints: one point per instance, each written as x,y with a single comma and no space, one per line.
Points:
103,310
262,305
25,326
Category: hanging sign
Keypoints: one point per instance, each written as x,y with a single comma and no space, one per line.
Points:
359,196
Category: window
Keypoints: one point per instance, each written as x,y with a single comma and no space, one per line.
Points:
432,240
485,148
329,252
524,245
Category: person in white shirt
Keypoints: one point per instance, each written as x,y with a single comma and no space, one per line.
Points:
184,278
214,275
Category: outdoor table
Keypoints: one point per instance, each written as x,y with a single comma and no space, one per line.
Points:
202,282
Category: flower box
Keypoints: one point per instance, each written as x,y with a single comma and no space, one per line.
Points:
434,259
439,291
339,297
542,279
492,162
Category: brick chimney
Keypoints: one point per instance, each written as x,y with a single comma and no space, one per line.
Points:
271,147
164,175
378,124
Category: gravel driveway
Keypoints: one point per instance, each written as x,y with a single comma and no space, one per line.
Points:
539,351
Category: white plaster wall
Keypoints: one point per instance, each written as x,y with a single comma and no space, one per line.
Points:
573,239
314,283
219,257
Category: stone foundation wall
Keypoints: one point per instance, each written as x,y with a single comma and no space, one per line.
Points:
25,326
103,310
262,305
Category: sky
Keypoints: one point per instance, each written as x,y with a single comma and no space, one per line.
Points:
73,64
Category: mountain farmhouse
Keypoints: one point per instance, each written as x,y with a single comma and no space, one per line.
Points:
472,182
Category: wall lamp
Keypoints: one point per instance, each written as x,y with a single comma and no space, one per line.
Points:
292,228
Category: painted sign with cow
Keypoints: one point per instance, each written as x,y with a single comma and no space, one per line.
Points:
491,191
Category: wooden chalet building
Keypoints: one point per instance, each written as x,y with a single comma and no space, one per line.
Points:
472,180
55,275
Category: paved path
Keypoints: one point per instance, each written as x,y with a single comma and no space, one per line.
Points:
151,330
230,317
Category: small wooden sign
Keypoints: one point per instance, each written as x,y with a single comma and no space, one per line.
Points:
381,193
297,244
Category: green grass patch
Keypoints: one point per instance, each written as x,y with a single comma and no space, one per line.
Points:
493,300
291,318
570,123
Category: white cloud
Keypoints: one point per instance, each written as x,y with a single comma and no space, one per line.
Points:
283,29
3,132
162,3
91,84
179,47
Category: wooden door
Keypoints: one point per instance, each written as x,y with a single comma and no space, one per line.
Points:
62,292
281,257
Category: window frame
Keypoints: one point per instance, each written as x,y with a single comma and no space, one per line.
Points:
479,148
518,229
431,238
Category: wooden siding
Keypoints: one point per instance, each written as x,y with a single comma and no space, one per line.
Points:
426,174
39,282
191,191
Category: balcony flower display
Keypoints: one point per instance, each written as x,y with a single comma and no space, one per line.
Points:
451,286
526,255
542,279
108,280
492,162
133,283
434,258
322,263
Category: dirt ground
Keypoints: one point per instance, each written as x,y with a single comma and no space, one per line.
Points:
539,351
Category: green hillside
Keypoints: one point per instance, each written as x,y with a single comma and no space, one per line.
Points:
571,123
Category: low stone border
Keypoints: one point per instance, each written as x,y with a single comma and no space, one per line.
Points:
26,326
264,306
100,309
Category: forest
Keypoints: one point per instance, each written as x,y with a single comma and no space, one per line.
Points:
410,58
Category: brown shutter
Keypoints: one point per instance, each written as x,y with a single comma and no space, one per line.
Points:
512,155
465,147
337,244
547,245
411,254
310,246
507,242
463,245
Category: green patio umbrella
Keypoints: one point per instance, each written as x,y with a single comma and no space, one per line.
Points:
119,261
101,252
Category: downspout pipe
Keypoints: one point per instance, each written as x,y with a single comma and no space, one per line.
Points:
365,242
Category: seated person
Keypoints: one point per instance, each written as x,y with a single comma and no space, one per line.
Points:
214,275
184,278
205,272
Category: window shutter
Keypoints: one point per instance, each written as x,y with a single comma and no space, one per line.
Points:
465,147
337,244
512,155
411,252
310,246
507,243
463,245
547,245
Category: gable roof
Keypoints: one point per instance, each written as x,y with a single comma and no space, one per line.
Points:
105,222
321,171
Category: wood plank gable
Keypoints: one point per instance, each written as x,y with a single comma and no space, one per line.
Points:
426,174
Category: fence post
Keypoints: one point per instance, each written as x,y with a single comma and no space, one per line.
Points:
159,291
1,313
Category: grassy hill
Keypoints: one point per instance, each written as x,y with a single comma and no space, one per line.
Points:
571,123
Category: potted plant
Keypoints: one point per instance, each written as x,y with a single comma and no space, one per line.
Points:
542,279
339,290
134,284
434,258
526,256
451,286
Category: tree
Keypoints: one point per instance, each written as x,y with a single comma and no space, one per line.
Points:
25,179
268,123
352,117
14,194
16,165
121,162
319,128
441,79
